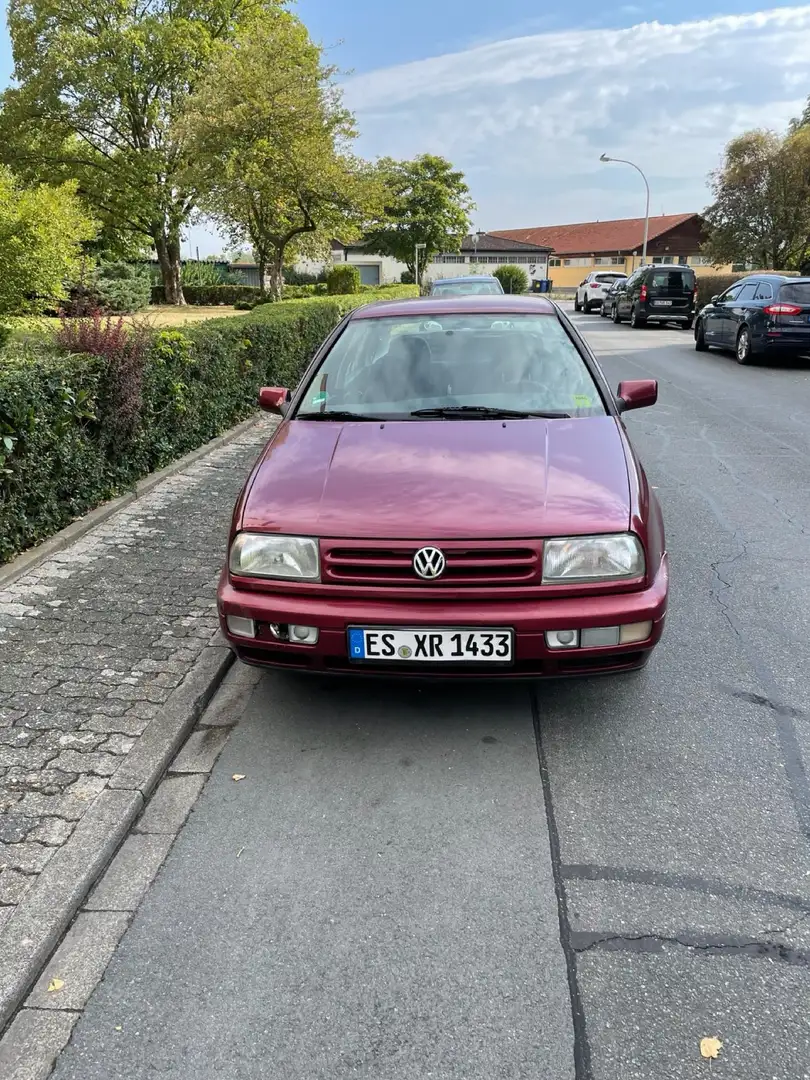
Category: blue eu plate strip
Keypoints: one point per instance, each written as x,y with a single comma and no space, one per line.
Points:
357,645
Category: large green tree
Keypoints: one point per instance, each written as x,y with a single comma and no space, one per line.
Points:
761,208
428,202
271,146
42,230
100,85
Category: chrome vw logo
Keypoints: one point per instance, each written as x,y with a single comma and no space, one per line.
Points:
429,562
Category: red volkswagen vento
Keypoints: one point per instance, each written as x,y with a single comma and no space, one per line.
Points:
451,490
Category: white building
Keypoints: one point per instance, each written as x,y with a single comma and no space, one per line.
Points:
480,253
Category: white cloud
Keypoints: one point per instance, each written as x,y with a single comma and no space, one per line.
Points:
527,117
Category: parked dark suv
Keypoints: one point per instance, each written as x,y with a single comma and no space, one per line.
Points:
758,316
657,294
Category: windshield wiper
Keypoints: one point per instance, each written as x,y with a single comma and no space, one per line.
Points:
494,412
336,414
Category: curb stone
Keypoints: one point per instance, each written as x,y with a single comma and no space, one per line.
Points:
30,559
43,916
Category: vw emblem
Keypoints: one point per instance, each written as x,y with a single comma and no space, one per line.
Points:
429,562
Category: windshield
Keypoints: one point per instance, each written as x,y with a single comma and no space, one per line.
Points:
466,288
392,367
610,278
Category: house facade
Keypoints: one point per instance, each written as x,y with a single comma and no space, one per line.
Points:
480,253
615,245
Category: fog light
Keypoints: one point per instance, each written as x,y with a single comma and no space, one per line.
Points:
562,639
240,627
304,635
637,631
598,636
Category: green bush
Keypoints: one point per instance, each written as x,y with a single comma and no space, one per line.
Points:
211,295
343,280
77,429
406,277
709,285
299,292
123,287
513,279
302,277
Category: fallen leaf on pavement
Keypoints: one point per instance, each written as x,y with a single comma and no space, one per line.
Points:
710,1048
238,776
54,985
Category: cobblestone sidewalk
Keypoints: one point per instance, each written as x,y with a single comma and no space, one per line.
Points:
92,643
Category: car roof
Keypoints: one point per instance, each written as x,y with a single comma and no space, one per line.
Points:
785,279
463,277
494,304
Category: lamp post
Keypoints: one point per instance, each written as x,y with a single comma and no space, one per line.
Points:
417,249
632,164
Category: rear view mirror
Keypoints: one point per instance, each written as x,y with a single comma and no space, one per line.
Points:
274,399
715,299
637,394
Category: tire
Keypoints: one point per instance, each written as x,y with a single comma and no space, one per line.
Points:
577,306
615,314
602,311
688,325
635,321
700,338
586,308
743,351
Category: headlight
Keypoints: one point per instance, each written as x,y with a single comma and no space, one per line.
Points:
271,556
593,558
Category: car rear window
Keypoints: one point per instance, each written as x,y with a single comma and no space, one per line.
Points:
610,277
467,288
675,281
797,292
393,365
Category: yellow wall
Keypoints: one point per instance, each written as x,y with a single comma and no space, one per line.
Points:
568,277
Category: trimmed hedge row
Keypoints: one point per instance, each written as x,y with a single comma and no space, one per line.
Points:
210,295
76,430
709,285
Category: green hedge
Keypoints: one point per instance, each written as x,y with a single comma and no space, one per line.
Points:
709,285
210,295
76,429
343,280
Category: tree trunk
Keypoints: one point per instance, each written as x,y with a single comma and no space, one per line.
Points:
275,274
168,253
261,262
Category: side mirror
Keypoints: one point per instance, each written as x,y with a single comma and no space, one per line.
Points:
637,394
274,399
715,299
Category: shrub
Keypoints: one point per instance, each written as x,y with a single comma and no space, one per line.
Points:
211,295
5,335
406,277
343,280
709,285
299,292
513,279
78,428
117,287
302,277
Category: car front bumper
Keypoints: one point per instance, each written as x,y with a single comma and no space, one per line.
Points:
529,618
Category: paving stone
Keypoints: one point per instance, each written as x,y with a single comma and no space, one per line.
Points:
80,960
14,885
97,764
200,751
131,726
171,804
15,827
52,831
28,857
131,873
117,744
30,1047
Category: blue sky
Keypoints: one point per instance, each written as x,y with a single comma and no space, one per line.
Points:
525,103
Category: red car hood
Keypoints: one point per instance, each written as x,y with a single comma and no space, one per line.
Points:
428,480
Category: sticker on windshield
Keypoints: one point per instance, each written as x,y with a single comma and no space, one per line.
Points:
320,398
582,401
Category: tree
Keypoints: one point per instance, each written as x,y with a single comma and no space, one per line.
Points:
100,88
428,203
271,147
42,230
761,212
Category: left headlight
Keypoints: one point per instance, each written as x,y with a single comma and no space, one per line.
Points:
592,558
270,556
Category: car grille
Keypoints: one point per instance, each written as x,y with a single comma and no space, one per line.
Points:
468,564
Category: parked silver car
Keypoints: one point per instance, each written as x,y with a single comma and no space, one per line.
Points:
591,292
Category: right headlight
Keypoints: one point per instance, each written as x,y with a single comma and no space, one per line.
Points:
268,555
592,558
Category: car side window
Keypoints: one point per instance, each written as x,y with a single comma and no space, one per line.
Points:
764,291
730,294
748,292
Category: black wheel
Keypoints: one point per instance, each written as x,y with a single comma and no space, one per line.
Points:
700,337
586,307
603,311
615,314
635,321
688,325
744,353
577,306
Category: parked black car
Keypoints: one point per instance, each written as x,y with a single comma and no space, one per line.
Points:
609,301
758,316
657,294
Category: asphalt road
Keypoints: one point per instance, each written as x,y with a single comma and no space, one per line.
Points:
379,897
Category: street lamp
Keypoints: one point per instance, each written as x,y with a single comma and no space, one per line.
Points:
417,249
622,161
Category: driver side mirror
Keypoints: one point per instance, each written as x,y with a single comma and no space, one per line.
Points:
715,299
636,394
274,399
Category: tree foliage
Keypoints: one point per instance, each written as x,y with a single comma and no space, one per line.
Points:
100,88
42,230
271,147
761,208
427,202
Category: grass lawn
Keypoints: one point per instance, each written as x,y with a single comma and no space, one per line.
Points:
156,315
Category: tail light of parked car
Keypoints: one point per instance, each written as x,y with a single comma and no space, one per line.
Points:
643,294
782,309
594,284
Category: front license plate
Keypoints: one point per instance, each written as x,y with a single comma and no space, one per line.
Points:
663,303
426,646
